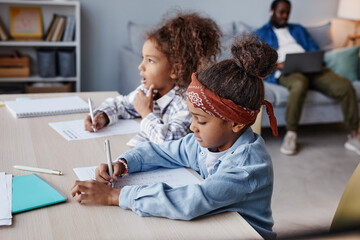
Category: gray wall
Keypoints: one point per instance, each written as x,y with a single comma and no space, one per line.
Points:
104,27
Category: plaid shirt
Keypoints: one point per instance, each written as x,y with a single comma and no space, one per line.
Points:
169,120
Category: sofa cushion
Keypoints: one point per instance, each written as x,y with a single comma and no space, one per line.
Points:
277,95
239,28
269,93
356,85
136,34
243,28
344,61
317,98
321,35
228,32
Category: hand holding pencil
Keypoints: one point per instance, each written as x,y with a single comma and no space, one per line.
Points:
102,174
95,122
96,191
99,122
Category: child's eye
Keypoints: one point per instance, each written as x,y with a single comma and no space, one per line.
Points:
201,123
151,61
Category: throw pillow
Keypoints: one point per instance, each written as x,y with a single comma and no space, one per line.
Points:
136,34
228,31
239,28
321,35
344,61
243,28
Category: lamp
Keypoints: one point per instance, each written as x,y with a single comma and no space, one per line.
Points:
350,9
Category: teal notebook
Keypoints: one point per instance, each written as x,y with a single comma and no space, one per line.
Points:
30,192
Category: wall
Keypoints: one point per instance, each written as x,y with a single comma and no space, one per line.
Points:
104,27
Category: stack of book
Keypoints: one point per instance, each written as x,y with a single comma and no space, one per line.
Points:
62,28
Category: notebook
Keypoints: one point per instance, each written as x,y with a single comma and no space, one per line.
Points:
307,62
30,192
47,106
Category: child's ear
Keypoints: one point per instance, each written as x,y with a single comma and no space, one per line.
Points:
237,127
173,74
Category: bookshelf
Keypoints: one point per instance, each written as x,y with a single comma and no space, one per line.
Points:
30,48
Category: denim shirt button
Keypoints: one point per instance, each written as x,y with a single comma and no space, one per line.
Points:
202,153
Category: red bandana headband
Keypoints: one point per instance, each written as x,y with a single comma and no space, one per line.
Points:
219,107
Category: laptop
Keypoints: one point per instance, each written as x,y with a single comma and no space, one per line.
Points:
307,62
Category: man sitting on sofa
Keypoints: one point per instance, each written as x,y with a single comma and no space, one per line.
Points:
293,38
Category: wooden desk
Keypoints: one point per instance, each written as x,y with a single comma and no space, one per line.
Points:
32,142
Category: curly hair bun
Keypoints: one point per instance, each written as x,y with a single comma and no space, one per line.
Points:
255,57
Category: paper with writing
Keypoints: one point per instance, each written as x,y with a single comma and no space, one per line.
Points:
74,130
176,177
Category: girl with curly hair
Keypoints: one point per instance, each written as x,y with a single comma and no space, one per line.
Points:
224,101
180,46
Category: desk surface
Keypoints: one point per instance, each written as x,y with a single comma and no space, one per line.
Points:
31,142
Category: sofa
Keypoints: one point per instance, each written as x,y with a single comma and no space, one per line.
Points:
318,108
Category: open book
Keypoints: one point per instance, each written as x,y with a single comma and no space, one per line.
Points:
47,106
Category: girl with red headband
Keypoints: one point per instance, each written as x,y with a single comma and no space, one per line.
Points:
224,101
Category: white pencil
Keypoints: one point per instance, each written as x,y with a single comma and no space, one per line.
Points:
40,170
91,113
108,156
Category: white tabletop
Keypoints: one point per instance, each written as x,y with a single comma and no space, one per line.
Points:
32,142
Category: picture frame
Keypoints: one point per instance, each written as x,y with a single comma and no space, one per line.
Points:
26,23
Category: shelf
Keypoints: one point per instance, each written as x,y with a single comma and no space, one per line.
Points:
31,48
38,79
36,44
40,3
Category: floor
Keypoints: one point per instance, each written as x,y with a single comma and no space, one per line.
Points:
308,186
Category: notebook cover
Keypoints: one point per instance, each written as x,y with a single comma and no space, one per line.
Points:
30,192
47,106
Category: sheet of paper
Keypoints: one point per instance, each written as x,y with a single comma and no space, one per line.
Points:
176,177
5,198
74,130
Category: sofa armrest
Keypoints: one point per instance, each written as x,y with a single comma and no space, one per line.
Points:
128,72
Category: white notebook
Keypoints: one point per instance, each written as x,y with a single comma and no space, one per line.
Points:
47,106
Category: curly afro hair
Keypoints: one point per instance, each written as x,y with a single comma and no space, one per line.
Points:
189,41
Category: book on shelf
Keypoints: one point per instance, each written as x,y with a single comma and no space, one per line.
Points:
4,35
59,29
56,29
62,28
69,29
50,30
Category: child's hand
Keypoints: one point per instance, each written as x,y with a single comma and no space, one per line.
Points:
144,103
99,122
95,192
102,172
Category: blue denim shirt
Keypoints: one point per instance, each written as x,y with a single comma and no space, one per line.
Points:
298,32
241,181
